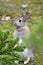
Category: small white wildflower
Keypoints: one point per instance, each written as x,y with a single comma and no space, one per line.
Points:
24,5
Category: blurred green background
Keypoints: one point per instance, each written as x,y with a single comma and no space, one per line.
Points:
13,8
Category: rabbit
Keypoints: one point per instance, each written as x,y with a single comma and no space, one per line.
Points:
22,30
28,55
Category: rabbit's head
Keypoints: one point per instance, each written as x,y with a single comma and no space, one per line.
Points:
21,21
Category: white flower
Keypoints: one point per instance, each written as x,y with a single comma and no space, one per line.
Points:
24,5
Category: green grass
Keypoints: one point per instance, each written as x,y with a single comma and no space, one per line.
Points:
36,38
36,29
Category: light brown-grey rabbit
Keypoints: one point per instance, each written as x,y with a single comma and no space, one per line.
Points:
22,30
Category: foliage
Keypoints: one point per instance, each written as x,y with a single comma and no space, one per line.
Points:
37,39
13,8
8,55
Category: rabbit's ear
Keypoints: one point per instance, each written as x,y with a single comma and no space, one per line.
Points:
28,15
24,13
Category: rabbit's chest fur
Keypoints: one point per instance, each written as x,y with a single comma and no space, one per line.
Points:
22,32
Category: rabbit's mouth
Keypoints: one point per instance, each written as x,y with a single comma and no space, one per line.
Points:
18,27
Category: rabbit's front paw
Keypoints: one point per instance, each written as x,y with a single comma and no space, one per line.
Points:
20,42
15,46
25,62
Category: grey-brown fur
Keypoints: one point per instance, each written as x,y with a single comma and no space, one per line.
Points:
22,30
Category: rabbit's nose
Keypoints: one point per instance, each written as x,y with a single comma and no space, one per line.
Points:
15,24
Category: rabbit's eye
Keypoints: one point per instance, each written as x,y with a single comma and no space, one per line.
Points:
19,20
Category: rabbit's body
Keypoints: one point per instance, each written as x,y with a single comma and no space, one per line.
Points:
22,30
27,54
